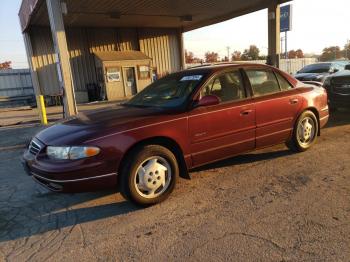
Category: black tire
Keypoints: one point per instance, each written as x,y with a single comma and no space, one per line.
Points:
295,144
129,189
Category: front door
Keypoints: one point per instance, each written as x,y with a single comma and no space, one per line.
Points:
129,81
220,131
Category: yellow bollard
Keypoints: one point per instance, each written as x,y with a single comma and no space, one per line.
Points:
42,109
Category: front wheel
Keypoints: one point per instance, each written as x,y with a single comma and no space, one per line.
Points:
149,175
304,133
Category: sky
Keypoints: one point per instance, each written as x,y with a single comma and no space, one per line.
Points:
316,24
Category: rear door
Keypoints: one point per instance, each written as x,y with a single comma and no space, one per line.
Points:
220,131
276,103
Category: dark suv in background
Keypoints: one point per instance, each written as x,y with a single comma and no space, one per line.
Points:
338,89
320,71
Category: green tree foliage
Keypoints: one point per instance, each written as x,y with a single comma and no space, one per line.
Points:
331,53
236,56
252,53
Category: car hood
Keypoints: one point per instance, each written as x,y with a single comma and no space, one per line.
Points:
342,73
310,76
89,125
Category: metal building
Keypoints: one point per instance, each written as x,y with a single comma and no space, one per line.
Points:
61,37
16,88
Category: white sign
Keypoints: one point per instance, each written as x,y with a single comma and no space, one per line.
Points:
113,75
192,78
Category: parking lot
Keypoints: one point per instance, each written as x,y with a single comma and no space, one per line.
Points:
269,205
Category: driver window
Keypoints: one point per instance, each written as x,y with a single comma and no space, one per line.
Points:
227,86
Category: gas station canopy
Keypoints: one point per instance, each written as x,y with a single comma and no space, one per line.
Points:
185,14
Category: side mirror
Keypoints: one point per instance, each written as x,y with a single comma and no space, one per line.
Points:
209,100
347,67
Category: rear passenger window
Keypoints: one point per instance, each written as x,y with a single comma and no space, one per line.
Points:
227,86
284,84
263,82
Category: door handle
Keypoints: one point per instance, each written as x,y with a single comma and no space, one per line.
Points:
294,101
246,112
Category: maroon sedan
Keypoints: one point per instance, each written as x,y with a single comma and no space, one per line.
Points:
184,120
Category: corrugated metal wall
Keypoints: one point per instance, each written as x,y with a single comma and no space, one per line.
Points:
162,45
15,82
44,59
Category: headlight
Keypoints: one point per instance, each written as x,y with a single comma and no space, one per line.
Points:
74,152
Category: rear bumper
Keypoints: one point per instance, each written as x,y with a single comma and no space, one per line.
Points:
324,121
324,116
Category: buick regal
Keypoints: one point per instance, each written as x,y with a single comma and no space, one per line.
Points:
182,121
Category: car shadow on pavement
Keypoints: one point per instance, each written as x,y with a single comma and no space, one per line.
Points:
56,212
261,155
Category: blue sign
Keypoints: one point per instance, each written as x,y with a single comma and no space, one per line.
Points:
286,18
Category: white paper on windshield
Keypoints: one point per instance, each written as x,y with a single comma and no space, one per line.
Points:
192,78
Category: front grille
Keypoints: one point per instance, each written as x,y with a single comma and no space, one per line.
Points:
342,89
340,81
34,147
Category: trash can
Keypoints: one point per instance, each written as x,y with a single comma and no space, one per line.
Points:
93,92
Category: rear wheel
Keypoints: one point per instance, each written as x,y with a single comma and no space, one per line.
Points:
149,175
304,133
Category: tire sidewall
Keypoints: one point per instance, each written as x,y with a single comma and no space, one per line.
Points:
130,172
301,147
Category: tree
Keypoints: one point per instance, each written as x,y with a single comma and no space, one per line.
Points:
191,59
5,65
211,57
225,59
295,54
331,53
251,54
292,54
299,53
236,56
347,51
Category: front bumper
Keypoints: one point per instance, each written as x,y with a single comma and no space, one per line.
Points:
74,176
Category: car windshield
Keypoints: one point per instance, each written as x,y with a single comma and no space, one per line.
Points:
316,68
171,91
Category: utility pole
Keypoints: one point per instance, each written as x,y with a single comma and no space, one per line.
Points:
228,52
347,47
286,45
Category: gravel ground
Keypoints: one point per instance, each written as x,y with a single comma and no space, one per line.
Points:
269,205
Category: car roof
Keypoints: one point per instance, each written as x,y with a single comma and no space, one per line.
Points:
210,68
